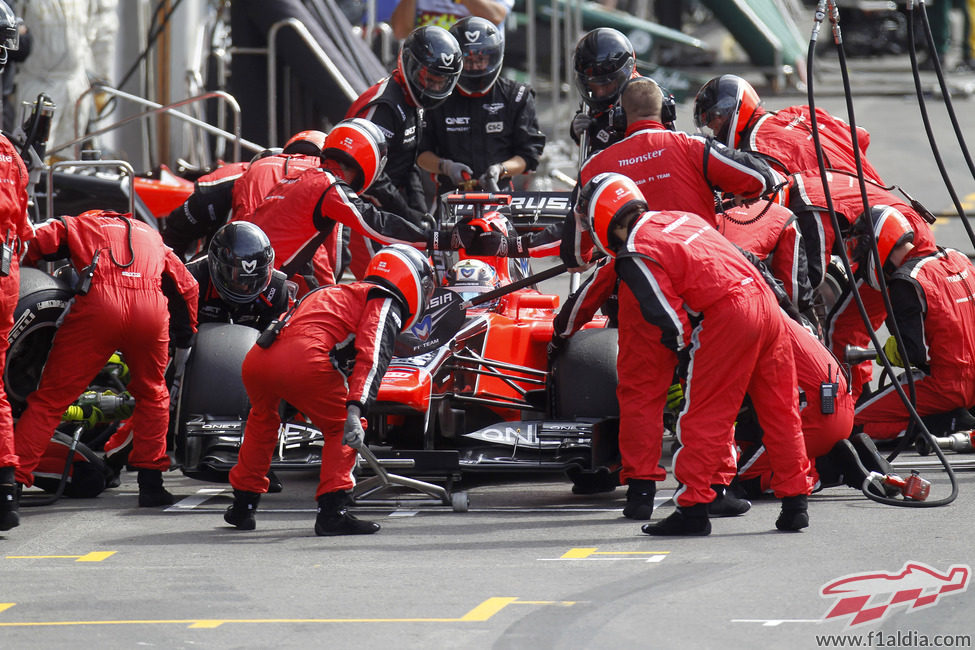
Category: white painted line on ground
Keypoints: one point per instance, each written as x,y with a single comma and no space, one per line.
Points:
191,502
404,513
775,622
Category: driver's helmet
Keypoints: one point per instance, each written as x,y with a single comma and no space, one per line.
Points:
470,278
241,261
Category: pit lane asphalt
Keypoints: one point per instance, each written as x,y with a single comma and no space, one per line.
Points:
529,566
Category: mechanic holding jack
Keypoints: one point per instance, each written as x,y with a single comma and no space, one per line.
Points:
679,268
326,358
119,304
486,131
16,230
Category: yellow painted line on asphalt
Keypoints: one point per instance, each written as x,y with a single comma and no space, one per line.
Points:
589,553
480,614
94,556
5,606
487,609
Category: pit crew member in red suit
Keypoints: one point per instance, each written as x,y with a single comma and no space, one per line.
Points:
815,365
807,199
933,300
678,268
122,308
675,171
16,231
771,232
358,321
238,187
728,108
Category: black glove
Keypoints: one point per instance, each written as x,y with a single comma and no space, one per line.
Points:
580,123
489,179
556,346
353,434
457,172
494,244
441,240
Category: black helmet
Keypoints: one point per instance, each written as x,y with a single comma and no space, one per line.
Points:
9,32
604,60
483,48
430,63
241,259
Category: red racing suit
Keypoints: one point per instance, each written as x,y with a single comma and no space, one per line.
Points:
301,214
205,210
17,232
933,298
678,268
675,171
784,138
124,310
644,368
301,366
771,232
820,431
808,200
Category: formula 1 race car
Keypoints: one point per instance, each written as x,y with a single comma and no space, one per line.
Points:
484,398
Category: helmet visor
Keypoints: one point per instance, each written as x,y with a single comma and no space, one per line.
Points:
241,283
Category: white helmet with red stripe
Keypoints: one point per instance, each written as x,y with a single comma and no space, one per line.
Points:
408,274
359,146
604,200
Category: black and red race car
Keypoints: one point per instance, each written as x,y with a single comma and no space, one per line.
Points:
484,398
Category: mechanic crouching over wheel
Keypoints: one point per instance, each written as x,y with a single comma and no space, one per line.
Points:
680,268
118,305
326,358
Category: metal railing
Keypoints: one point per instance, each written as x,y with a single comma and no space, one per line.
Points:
155,109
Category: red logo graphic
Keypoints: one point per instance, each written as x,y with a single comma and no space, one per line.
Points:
917,585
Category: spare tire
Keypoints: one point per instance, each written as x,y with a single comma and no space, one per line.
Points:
583,377
43,299
212,384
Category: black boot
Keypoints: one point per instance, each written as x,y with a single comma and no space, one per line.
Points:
684,521
639,499
274,484
334,518
794,514
151,490
241,513
726,504
9,499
